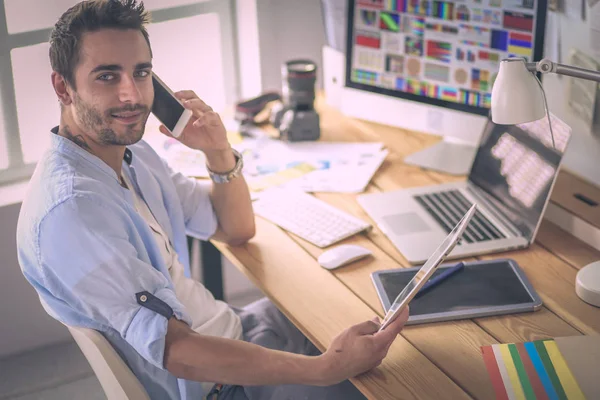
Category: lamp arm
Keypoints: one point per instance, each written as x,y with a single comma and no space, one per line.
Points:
546,66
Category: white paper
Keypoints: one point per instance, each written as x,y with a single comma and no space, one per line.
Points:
344,176
308,166
311,166
264,156
182,159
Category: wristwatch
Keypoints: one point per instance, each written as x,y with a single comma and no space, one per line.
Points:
228,176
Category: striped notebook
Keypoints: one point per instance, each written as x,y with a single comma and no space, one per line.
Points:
562,368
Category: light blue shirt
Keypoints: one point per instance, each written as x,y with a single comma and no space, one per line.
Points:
87,251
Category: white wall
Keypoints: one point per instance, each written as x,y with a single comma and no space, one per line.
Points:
288,29
248,49
583,154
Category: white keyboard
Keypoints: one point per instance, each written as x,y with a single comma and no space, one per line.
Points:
308,217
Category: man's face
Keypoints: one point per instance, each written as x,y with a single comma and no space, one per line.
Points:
114,86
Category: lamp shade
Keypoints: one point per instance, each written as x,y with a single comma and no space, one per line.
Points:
516,95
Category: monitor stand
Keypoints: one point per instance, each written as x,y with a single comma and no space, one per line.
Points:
446,156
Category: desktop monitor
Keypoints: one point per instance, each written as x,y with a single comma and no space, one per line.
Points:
429,66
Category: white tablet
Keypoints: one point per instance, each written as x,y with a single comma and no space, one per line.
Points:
438,256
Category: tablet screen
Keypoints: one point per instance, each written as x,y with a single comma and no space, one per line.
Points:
476,286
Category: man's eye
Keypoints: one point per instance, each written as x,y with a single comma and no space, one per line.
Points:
106,77
142,74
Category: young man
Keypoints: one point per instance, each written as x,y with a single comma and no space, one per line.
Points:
102,234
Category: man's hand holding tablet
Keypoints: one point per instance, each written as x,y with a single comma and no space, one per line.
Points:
438,256
359,348
363,346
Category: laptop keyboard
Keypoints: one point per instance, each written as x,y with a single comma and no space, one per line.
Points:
448,207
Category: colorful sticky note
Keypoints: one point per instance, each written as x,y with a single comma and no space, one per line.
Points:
531,371
565,376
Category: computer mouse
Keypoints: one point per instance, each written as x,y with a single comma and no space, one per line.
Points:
342,255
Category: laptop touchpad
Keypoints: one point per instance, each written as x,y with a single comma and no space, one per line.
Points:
406,223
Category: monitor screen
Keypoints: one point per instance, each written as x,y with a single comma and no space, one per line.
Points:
444,53
516,165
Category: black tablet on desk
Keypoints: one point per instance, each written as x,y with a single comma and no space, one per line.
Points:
480,289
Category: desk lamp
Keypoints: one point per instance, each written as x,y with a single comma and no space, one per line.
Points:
518,97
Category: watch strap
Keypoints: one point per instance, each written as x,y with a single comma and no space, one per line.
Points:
226,177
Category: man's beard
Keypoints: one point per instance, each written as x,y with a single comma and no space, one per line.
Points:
92,121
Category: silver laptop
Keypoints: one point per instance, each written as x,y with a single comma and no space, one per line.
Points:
510,181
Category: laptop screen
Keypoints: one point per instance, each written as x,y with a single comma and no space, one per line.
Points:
517,166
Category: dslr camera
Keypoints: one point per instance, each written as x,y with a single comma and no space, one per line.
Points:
296,118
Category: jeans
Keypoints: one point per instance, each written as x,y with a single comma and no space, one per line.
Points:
266,326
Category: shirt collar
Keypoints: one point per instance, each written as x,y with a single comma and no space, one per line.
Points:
64,145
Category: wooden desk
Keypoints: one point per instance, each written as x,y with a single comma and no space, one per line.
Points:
431,361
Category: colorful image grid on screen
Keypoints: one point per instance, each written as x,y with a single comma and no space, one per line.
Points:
447,50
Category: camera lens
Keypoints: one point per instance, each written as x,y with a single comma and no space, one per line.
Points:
299,77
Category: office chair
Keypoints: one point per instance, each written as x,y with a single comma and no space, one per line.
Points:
117,380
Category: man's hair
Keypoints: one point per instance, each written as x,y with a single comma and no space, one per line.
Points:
91,16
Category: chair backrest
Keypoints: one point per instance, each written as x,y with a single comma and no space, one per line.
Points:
117,380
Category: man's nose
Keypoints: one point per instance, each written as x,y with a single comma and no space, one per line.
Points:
129,91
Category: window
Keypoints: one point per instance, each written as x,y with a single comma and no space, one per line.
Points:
197,39
193,43
34,96
32,15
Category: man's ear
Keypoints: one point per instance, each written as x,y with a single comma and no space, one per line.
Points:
61,87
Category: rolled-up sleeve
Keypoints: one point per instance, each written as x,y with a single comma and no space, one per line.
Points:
88,261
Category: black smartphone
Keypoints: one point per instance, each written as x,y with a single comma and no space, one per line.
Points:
168,109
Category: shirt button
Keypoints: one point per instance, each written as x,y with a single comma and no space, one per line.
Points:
143,298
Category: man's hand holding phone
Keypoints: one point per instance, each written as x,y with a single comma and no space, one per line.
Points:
205,132
191,121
